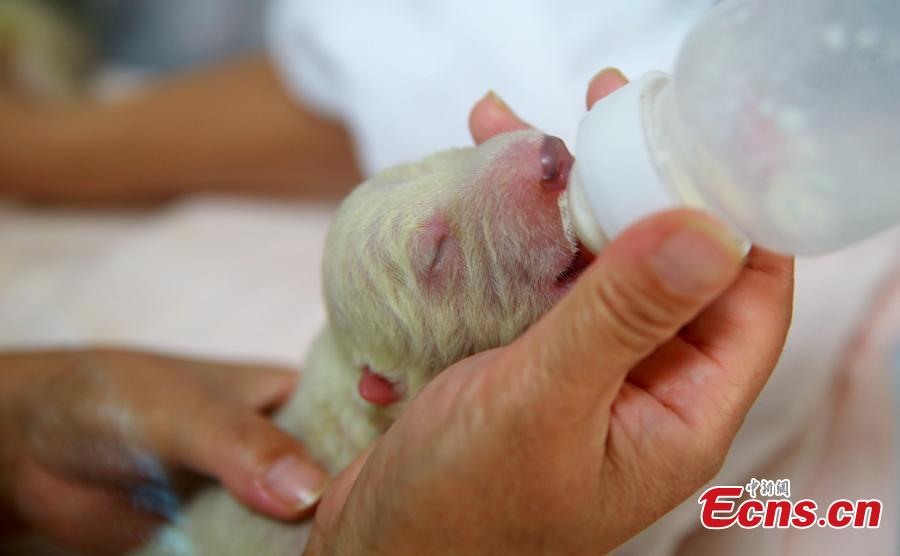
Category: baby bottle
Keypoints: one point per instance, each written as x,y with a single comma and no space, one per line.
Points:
782,117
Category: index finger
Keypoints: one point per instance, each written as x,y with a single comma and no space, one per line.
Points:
603,84
491,116
255,386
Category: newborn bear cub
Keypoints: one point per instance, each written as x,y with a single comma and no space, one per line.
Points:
425,264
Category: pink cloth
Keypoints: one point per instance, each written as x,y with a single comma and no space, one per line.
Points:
860,459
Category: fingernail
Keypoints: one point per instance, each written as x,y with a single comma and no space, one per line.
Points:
614,71
696,258
495,98
295,483
618,73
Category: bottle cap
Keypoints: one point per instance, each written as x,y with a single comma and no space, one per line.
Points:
615,182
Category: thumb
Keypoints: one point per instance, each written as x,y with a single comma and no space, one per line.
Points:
642,288
260,464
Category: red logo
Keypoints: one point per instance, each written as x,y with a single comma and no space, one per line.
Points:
722,507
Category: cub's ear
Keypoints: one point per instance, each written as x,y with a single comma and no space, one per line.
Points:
376,389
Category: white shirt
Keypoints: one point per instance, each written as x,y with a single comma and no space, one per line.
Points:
403,74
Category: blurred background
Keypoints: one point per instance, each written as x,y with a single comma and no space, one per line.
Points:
168,169
165,35
77,268
154,36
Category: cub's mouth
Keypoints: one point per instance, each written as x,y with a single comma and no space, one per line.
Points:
581,259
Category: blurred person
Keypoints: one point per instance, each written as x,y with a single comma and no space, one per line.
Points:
347,91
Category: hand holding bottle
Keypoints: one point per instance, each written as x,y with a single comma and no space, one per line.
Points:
604,415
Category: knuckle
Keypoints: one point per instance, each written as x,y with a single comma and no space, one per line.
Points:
638,316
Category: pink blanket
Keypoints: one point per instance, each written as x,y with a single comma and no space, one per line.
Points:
239,279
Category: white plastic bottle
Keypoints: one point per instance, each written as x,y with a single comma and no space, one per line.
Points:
782,117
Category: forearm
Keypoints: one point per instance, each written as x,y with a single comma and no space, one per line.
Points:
230,128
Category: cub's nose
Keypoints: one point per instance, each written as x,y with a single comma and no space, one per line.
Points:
556,162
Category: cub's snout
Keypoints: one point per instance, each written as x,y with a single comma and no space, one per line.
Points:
433,261
556,162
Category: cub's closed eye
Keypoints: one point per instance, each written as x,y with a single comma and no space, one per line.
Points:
440,251
434,247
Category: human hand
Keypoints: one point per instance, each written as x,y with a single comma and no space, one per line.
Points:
604,415
94,442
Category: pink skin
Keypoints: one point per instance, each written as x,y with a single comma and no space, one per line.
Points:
527,212
376,389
